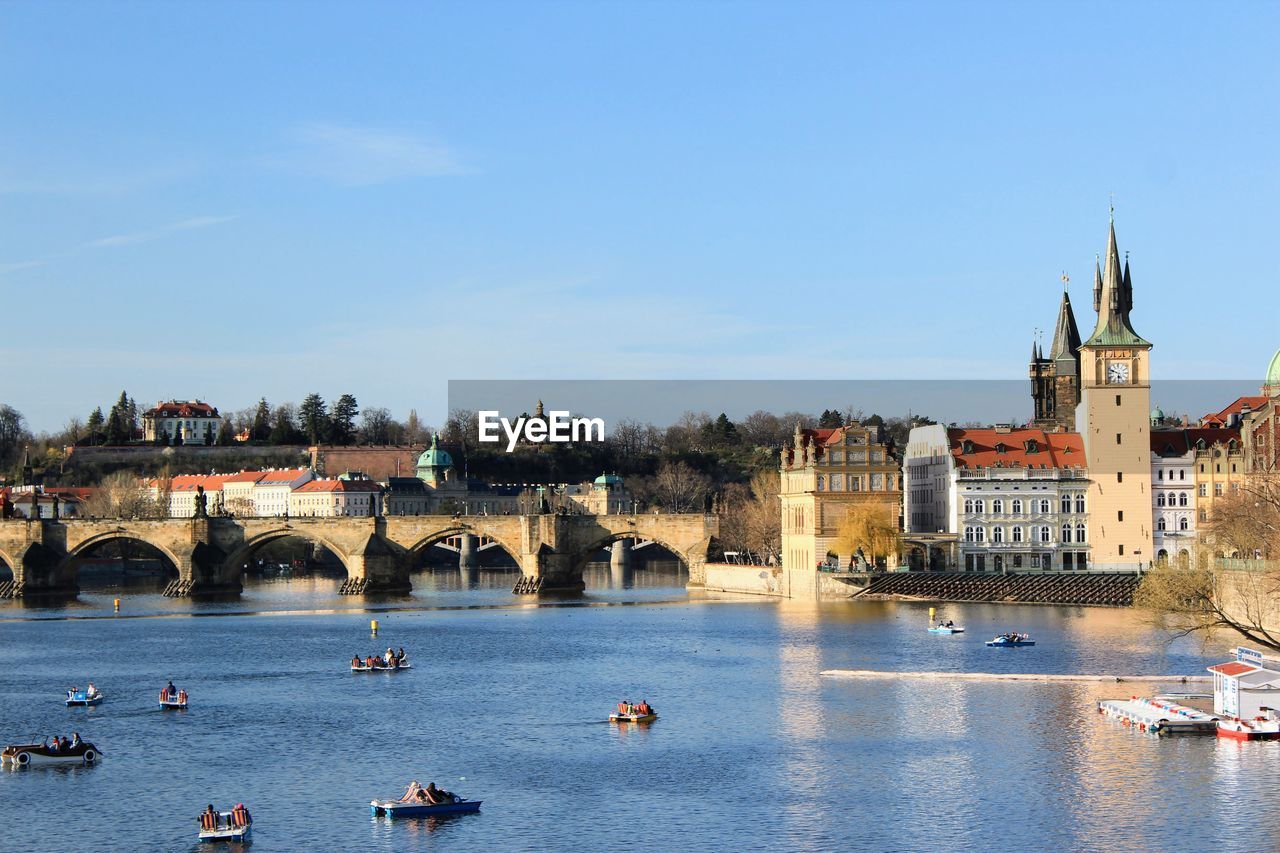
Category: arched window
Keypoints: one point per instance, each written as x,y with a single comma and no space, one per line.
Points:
1079,503
1183,523
981,533
1017,534
1081,531
1017,506
997,534
1160,499
820,481
997,506
1160,524
1045,534
1066,503
969,535
1182,498
1046,507
968,505
1066,533
979,506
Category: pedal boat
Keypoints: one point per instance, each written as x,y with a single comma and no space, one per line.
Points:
395,808
83,697
36,755
943,629
1005,642
378,666
224,831
173,701
615,717
1259,728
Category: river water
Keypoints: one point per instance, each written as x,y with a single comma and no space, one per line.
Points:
753,750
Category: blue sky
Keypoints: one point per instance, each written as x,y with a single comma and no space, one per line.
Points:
245,199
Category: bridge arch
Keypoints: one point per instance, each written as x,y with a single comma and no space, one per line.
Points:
243,552
581,559
67,571
420,547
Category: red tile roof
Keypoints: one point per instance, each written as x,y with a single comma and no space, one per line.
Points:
1053,449
178,409
339,486
276,478
1235,668
245,477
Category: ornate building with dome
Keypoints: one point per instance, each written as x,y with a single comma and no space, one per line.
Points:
1260,425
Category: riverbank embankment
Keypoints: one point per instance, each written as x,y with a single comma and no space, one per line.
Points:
1045,678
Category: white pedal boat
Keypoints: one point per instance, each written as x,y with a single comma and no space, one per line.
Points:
38,754
225,827
173,701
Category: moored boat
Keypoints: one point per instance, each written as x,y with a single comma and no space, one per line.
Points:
233,825
1259,728
38,754
88,697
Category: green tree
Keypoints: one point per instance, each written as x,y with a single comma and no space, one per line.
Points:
12,433
95,425
283,429
313,418
260,430
342,422
119,427
830,419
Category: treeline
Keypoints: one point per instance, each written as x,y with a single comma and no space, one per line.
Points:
314,421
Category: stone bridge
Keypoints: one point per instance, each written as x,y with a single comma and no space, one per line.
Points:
378,553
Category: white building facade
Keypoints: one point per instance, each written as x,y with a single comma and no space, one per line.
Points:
177,422
1015,499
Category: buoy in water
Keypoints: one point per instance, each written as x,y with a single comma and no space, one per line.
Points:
117,602
373,626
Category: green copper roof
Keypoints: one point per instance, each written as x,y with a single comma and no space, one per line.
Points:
434,457
1273,371
1113,300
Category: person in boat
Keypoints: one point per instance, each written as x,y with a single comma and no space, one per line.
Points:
369,661
240,815
355,661
949,624
90,691
411,792
437,796
209,818
53,747
75,740
171,691
400,654
389,656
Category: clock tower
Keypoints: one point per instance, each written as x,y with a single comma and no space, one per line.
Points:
1114,421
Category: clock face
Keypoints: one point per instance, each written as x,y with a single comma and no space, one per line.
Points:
1117,373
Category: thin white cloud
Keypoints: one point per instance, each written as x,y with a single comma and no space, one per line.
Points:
363,156
156,233
19,265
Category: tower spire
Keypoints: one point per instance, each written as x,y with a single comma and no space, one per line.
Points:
1113,298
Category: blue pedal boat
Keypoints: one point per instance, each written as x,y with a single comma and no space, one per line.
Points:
1005,642
943,629
83,697
393,808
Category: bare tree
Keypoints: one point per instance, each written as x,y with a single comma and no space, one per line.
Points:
677,487
870,527
121,495
764,514
376,426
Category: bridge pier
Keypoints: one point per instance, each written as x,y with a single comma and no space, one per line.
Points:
468,552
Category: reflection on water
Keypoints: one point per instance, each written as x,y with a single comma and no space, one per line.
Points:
508,700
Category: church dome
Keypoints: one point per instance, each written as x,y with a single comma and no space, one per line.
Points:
434,457
605,481
1273,372
1157,414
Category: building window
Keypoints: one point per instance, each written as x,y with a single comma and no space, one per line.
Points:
997,506
1117,438
1160,500
1046,507
1160,524
1079,503
968,505
1182,498
1182,473
1081,530
1117,399
981,533
1217,490
1203,490
1017,534
1183,524
997,535
1035,561
979,506
969,535
1017,507
1119,515
1121,547
1204,515
1066,533
1119,476
1045,534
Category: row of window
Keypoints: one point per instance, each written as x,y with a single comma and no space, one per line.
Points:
1169,499
1182,474
854,483
837,457
1183,524
1037,533
1042,506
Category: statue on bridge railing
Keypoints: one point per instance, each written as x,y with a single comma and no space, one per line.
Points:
202,501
